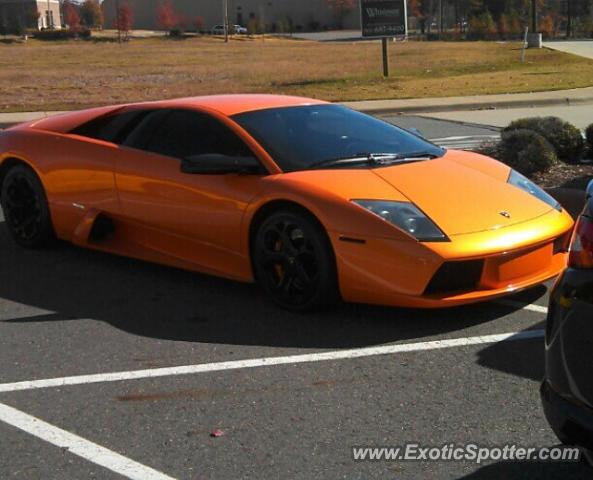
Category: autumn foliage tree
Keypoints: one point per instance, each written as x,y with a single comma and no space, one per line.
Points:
341,8
198,23
546,26
166,16
124,20
71,16
91,13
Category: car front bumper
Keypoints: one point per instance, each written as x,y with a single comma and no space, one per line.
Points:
470,268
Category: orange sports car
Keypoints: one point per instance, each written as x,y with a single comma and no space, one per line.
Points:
312,200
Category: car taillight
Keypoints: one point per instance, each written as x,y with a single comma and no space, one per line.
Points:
581,248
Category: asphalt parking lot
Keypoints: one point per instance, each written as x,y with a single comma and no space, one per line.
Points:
69,312
114,368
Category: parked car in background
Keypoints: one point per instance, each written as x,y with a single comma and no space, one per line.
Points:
233,29
567,389
218,30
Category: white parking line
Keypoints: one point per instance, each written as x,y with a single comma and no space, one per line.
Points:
269,361
79,446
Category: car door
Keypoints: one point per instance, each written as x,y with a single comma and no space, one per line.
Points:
195,218
81,179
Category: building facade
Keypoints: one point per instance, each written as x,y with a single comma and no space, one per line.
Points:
16,15
288,15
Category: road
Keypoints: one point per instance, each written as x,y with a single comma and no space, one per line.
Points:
455,134
579,115
583,48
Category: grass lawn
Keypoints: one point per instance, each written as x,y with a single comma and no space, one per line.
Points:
66,75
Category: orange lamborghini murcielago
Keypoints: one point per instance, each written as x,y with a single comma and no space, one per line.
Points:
312,200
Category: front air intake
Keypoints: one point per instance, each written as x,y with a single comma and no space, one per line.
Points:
456,277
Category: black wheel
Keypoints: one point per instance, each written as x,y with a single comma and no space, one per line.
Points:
294,261
25,208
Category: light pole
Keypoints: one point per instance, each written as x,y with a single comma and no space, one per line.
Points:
568,19
117,21
225,10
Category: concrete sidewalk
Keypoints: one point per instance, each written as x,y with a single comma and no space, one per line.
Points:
579,96
582,48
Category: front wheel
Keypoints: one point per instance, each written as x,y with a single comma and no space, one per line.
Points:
294,262
25,208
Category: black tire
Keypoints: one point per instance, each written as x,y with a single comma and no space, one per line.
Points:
294,262
25,208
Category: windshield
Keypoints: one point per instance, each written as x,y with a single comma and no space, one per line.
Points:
301,138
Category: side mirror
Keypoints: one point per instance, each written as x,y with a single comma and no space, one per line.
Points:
218,164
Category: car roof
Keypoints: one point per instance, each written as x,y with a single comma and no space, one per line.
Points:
225,104
234,104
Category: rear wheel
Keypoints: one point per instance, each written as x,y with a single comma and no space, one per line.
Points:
294,262
25,208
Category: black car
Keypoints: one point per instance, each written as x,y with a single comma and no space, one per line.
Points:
567,389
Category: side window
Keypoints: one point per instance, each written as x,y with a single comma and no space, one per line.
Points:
111,128
183,134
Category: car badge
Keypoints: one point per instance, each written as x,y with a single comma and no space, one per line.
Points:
505,214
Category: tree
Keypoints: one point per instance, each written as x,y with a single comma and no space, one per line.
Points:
71,16
546,26
166,16
503,26
124,20
482,26
32,17
91,13
341,8
416,10
198,23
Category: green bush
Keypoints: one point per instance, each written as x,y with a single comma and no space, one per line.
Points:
176,32
525,150
563,136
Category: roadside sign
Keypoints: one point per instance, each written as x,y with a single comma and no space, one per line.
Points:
383,18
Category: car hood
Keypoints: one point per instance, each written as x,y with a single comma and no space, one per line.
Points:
461,192
461,198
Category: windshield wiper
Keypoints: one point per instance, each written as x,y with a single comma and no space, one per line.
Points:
375,159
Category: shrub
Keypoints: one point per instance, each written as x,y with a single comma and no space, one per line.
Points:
563,136
61,34
526,151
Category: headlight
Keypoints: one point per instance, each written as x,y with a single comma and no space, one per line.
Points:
519,181
407,217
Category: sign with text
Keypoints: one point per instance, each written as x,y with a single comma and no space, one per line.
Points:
383,18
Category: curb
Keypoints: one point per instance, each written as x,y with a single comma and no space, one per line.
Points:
478,105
